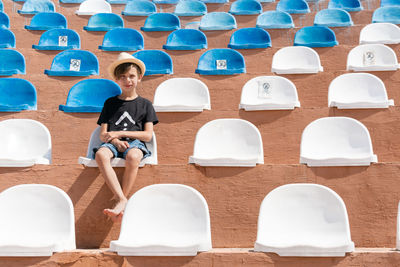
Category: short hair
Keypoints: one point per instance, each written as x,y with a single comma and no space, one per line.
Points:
124,67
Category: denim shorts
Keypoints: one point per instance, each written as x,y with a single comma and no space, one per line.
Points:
132,144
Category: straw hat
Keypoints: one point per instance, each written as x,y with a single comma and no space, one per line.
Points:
125,58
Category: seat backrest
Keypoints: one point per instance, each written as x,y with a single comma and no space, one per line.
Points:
59,38
245,36
156,61
162,20
370,55
333,17
218,21
91,7
48,20
37,6
139,8
390,14
167,214
190,8
186,39
7,38
348,5
390,3
11,62
37,214
104,22
221,61
123,38
4,20
315,36
86,59
296,215
274,20
25,139
293,6
181,93
292,57
380,33
229,138
17,94
245,7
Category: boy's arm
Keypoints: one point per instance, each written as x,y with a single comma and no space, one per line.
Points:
144,135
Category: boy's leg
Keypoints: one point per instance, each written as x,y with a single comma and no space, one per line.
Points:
132,161
103,157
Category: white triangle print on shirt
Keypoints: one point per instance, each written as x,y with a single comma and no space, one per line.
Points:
124,116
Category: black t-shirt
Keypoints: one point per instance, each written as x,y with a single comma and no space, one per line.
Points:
127,115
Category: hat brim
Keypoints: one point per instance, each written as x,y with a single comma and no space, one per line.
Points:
133,60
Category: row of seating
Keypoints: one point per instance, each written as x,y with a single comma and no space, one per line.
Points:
305,219
330,141
219,61
347,91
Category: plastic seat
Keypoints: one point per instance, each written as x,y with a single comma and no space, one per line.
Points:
250,38
161,22
47,21
388,14
358,90
234,142
336,141
390,3
166,1
95,142
221,61
91,7
216,21
37,6
24,143
293,6
74,63
269,93
304,220
372,57
122,39
181,95
380,33
333,17
11,62
348,5
7,38
296,60
16,95
315,36
40,221
245,7
104,22
90,95
156,61
58,39
190,8
186,39
4,21
164,220
139,8
274,20
215,1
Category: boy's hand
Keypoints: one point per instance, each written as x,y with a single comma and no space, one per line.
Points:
120,145
109,136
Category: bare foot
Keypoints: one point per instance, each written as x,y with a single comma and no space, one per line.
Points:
116,213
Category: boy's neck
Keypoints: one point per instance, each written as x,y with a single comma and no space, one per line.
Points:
129,96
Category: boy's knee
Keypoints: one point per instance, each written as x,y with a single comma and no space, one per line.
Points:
134,156
102,155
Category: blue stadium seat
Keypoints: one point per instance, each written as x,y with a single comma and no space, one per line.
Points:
139,8
190,8
293,6
4,21
118,2
89,95
348,5
156,61
91,7
37,6
104,22
11,62
17,94
333,17
7,38
74,63
186,39
315,36
122,39
250,38
215,1
161,22
389,14
245,7
390,3
71,1
274,20
221,61
58,39
165,1
47,20
216,21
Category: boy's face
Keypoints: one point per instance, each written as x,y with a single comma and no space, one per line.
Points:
129,80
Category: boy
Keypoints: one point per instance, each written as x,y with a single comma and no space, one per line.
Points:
126,122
